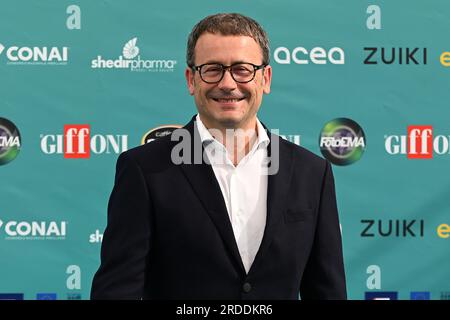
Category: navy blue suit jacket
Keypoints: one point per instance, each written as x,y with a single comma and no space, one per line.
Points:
169,236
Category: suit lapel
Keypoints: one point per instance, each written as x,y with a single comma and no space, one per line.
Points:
277,190
205,185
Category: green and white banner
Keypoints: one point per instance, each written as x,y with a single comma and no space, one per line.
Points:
365,84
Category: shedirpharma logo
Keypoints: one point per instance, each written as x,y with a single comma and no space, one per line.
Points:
419,143
33,230
21,55
342,141
130,59
78,143
10,141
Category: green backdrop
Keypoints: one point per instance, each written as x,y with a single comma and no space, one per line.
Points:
41,97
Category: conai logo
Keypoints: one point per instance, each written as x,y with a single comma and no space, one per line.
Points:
17,229
36,55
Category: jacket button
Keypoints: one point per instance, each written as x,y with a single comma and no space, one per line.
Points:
247,287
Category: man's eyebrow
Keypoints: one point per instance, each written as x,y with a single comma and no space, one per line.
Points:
219,62
212,61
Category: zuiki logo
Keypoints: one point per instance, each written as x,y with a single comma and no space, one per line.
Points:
342,141
317,55
159,132
10,141
130,59
419,143
33,230
78,143
22,55
397,56
393,228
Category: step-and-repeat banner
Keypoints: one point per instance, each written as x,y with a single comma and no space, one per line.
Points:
365,84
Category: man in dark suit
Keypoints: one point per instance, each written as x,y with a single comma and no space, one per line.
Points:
255,218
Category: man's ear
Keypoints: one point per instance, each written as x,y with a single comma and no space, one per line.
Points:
190,75
267,79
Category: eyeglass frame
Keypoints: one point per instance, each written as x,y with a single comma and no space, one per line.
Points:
225,68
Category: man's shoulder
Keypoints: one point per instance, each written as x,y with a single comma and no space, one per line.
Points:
156,156
152,156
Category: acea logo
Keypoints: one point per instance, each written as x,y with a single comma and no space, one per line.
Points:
130,59
33,230
10,141
316,55
342,141
77,142
22,55
159,132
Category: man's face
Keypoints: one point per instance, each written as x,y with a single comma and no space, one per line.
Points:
214,111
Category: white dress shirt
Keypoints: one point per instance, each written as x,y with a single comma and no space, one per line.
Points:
244,189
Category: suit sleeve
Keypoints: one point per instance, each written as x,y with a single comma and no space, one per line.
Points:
126,240
324,275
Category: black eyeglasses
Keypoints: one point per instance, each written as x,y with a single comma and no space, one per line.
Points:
240,72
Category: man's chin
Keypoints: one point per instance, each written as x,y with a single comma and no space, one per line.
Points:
230,120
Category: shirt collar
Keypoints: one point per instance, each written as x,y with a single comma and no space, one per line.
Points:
207,138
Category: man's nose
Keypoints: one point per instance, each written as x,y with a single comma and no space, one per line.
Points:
227,82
